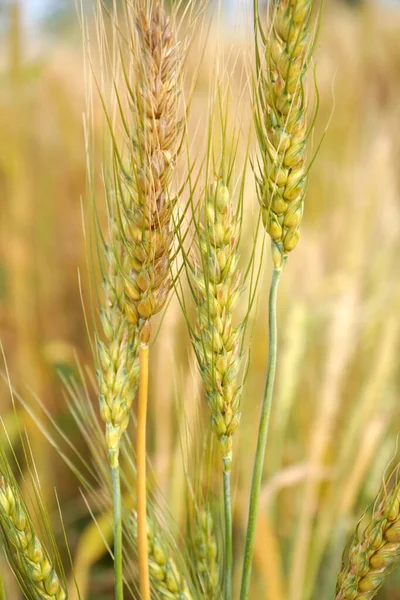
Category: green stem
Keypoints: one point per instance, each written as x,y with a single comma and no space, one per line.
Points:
2,590
262,437
228,535
118,577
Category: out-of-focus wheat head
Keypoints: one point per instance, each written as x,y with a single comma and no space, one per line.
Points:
282,57
205,552
167,580
373,554
138,251
27,556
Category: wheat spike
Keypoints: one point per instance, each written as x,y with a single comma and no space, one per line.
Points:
137,273
119,372
373,555
216,284
166,579
27,556
205,547
147,206
281,122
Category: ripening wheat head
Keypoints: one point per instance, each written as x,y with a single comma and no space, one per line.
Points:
138,250
27,556
373,554
147,207
216,283
281,121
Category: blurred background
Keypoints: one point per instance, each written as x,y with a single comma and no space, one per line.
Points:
337,412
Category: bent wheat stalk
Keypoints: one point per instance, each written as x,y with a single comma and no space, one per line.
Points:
373,554
280,109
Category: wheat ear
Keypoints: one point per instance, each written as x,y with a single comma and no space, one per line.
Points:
149,224
27,557
373,554
205,553
280,107
216,283
143,170
167,580
281,123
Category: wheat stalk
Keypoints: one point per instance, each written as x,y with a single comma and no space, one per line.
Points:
27,556
373,554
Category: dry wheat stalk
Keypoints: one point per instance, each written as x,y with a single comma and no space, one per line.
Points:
216,283
281,122
373,555
27,556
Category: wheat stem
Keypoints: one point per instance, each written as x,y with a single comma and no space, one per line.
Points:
262,436
228,535
2,590
143,551
118,578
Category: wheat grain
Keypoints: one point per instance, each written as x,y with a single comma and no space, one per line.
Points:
27,556
281,122
373,555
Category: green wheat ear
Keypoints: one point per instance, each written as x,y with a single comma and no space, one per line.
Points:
30,560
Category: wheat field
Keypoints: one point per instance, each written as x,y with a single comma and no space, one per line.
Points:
335,418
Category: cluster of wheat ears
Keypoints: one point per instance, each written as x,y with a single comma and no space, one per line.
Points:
174,226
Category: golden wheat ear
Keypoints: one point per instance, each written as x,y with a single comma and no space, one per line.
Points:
283,56
373,554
